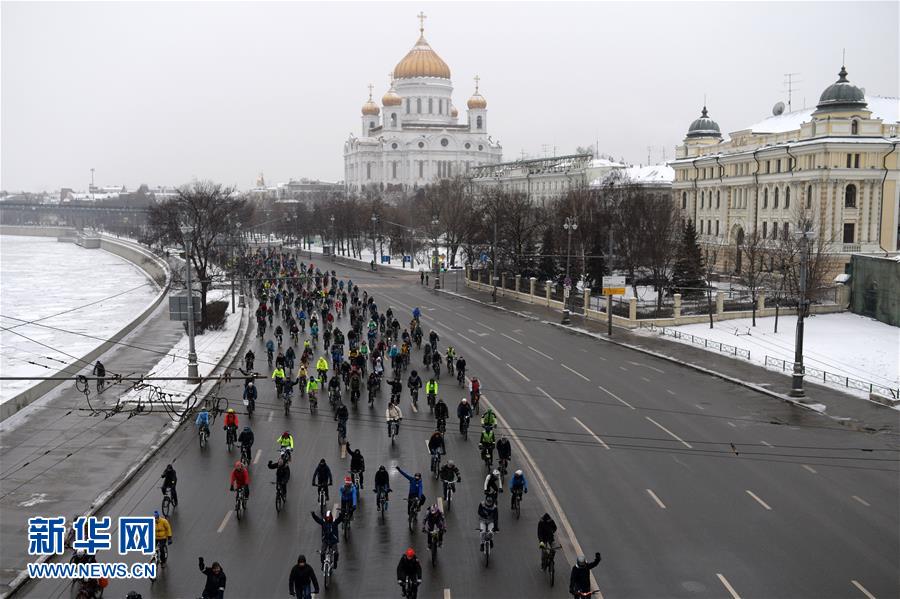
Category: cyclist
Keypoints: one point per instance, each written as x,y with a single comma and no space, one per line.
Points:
357,463
270,351
342,415
409,567
322,477
286,443
245,440
382,481
312,387
488,516
463,412
489,420
461,368
215,581
355,382
250,395
278,377
282,473
240,478
330,533
436,444
486,443
231,421
302,581
295,332
441,413
449,473
546,530
451,358
348,496
504,450
249,358
279,334
426,355
414,383
393,415
396,389
334,389
493,484
416,313
517,484
434,519
433,339
202,421
474,389
431,390
416,488
580,579
170,480
322,368
163,536
290,358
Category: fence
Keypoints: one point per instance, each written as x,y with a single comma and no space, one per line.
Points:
830,377
702,341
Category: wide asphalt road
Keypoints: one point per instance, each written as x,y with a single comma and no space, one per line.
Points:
689,486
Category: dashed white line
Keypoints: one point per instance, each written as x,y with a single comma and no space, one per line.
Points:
441,504
809,468
256,459
271,413
683,442
760,501
590,432
623,368
490,352
561,407
441,324
537,351
863,590
655,369
699,406
728,586
767,444
614,396
466,338
511,338
656,499
645,379
485,326
513,368
670,392
225,520
462,316
573,371
732,425
861,500
601,358
446,591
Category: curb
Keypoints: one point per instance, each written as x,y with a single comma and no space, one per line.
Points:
105,497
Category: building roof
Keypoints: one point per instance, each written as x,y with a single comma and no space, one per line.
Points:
884,108
841,95
421,61
704,126
653,174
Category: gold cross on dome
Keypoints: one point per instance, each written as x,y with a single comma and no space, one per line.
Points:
477,79
371,87
391,78
421,16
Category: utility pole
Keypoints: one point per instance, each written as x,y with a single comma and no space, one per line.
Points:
187,233
798,373
494,260
435,221
570,225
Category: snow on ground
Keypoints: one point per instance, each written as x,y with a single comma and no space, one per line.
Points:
57,284
844,344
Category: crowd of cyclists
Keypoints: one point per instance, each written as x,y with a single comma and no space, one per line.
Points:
373,349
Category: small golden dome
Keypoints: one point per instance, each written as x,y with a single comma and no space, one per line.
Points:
454,112
477,100
421,61
391,97
370,108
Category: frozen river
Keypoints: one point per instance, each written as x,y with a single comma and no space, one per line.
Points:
67,292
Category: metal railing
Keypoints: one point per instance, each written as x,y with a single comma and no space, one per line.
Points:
702,341
830,377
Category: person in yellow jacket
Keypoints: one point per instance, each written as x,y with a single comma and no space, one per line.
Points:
322,367
163,536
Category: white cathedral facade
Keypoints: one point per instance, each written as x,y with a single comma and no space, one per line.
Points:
415,138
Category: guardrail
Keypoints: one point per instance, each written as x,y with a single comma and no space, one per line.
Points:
702,341
830,377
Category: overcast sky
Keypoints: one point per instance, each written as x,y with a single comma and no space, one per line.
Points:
162,93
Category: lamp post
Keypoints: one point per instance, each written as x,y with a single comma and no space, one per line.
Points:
435,221
333,239
374,220
187,234
569,225
241,269
797,375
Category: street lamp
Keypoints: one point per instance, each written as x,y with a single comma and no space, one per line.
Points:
797,375
187,234
435,221
241,269
569,225
374,221
333,239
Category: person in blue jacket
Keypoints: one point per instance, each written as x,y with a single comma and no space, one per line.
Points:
517,483
203,420
416,488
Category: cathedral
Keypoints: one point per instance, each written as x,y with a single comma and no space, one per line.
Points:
416,138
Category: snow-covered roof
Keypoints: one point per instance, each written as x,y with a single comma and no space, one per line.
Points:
653,174
884,108
604,163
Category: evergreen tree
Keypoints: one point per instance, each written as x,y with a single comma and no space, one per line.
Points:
687,275
548,264
596,265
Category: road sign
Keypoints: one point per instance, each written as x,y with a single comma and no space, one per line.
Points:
568,283
613,285
484,257
566,293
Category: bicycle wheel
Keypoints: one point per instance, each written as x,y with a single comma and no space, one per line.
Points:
326,572
279,500
434,552
487,553
166,505
551,569
518,508
238,508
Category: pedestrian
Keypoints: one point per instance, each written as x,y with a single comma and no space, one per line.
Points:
215,581
99,372
302,579
426,279
421,277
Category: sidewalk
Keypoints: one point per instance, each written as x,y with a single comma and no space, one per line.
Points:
58,459
846,409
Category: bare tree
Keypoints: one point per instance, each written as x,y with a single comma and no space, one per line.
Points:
751,273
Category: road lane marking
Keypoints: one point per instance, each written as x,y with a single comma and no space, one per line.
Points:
537,351
225,520
343,450
440,503
767,444
863,590
614,396
413,407
623,368
699,406
683,442
441,324
513,368
479,333
732,425
462,316
590,432
519,331
670,392
466,338
761,502
490,352
861,500
561,407
809,469
573,371
511,338
271,413
654,368
728,586
256,459
656,499
447,591
645,379
486,326
601,358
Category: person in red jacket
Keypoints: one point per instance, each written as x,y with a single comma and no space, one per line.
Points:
240,477
231,419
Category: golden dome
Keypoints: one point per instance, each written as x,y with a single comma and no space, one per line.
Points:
370,108
391,97
421,61
454,112
477,100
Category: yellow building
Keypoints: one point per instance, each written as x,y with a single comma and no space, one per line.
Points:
837,164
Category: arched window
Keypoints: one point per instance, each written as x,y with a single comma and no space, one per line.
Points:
775,199
787,198
850,196
419,105
774,230
809,193
718,199
765,229
408,104
393,119
371,124
854,127
702,198
684,200
478,122
766,198
430,106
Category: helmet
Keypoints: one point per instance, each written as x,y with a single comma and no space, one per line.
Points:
247,429
496,473
464,400
382,469
231,410
435,509
328,516
286,434
414,373
322,462
250,383
581,561
489,501
518,473
410,553
155,514
348,480
239,465
418,475
450,463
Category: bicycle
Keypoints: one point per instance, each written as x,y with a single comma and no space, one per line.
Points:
461,377
548,560
487,457
167,502
450,365
442,425
393,429
327,565
280,495
476,402
412,512
516,502
409,587
381,501
436,366
240,502
434,536
432,398
342,432
203,433
287,403
313,402
449,490
250,404
323,499
230,438
414,395
245,454
436,463
345,523
357,477
487,543
464,427
502,464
